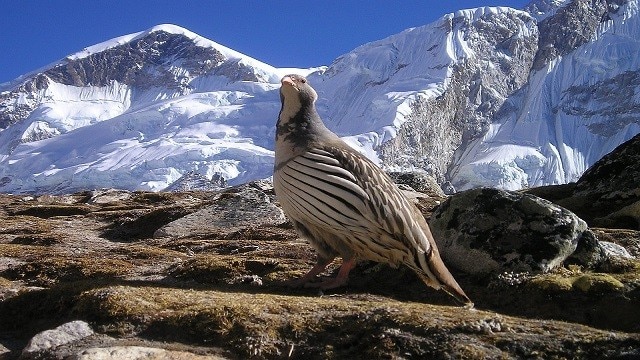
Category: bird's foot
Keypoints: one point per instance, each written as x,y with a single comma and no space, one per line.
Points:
309,276
340,280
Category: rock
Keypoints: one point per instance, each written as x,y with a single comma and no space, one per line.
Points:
629,239
448,188
195,181
611,249
140,352
3,351
418,181
485,231
611,186
607,194
245,205
589,253
105,196
50,339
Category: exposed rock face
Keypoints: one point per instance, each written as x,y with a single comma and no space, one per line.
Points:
500,65
141,64
485,231
575,107
571,26
611,99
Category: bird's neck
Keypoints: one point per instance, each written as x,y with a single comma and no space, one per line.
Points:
298,127
297,122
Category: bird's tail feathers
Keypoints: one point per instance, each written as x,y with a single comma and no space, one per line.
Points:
438,276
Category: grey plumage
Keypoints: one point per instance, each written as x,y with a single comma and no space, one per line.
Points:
343,203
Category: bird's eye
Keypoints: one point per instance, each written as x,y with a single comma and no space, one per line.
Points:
303,80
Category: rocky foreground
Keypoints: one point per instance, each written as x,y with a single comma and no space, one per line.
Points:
198,275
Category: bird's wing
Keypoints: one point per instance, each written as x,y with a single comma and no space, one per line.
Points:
387,205
344,189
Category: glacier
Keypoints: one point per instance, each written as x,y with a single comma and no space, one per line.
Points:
480,97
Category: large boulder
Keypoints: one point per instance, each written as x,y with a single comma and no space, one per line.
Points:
483,231
611,186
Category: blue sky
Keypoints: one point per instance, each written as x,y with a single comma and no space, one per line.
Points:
34,33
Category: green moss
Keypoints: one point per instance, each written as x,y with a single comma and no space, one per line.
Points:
21,251
19,225
597,282
209,269
552,282
577,281
144,252
269,325
4,282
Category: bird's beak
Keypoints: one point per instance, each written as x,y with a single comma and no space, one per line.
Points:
287,80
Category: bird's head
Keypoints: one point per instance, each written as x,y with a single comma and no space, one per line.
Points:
296,92
298,121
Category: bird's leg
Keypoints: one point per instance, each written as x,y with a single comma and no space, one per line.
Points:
320,265
341,279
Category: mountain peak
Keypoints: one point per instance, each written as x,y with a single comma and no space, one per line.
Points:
165,28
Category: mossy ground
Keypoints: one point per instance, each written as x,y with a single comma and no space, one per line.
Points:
226,290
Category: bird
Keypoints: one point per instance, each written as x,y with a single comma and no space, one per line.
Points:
344,204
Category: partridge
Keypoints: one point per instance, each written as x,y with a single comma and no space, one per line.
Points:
343,203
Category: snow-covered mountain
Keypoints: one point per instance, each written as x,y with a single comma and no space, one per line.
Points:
482,97
138,112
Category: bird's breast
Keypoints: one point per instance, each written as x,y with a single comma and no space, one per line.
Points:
313,187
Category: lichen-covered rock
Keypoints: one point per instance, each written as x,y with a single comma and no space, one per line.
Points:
483,231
